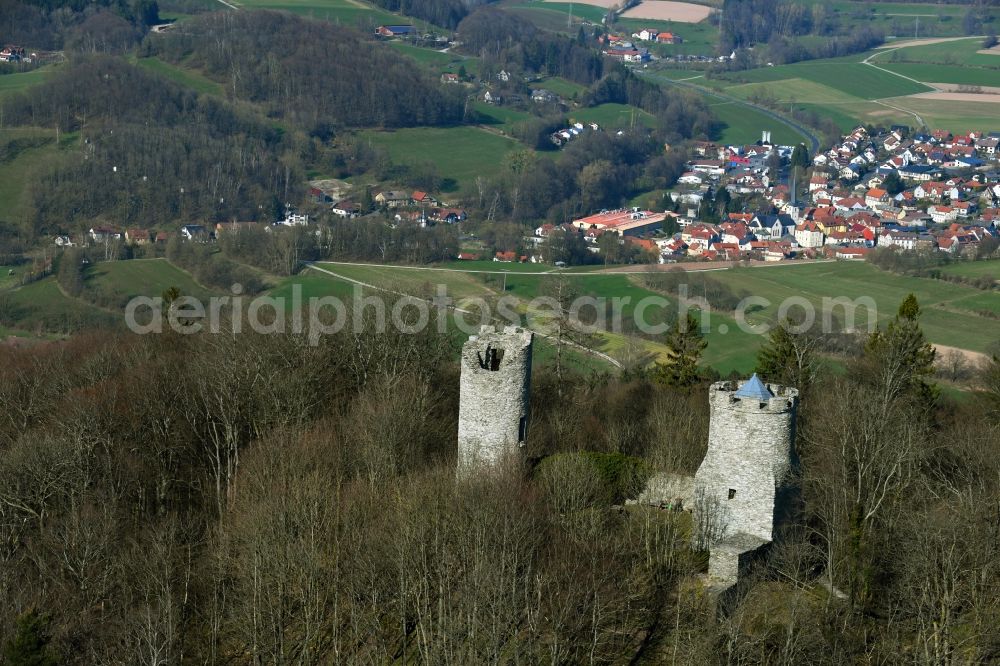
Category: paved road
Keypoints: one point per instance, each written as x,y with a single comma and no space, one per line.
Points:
813,139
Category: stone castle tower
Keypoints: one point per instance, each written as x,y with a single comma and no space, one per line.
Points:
743,481
494,396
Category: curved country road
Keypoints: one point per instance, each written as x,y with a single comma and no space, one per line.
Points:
813,139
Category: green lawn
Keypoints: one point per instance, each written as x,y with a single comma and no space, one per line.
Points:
123,280
459,153
500,117
613,116
313,285
853,78
560,86
963,52
743,124
355,13
956,74
22,164
793,90
952,116
14,82
937,298
554,15
186,77
41,306
428,57
974,268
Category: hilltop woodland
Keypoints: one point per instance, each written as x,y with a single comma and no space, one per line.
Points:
104,26
256,499
139,150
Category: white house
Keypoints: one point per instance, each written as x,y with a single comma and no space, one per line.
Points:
809,235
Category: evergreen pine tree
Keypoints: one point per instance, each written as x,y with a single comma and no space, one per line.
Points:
29,646
684,347
899,359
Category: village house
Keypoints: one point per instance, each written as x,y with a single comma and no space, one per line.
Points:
392,198
194,232
137,236
346,208
103,234
395,30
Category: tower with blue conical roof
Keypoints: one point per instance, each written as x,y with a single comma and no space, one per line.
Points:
742,482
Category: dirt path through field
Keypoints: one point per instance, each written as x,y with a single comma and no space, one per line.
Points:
958,97
922,42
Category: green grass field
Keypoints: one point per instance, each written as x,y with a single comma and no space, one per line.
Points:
123,280
613,116
428,57
459,153
10,83
500,117
744,124
955,74
19,170
561,87
939,300
186,77
952,116
552,15
962,52
41,306
853,78
974,268
355,13
793,90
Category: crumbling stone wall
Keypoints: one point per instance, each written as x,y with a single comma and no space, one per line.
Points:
749,457
494,396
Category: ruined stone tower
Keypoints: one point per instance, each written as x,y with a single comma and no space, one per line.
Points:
494,396
742,483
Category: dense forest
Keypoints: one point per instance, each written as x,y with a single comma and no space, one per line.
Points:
749,23
252,499
514,42
445,13
322,75
198,158
84,25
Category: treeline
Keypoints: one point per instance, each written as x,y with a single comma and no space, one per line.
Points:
596,170
111,25
784,50
504,39
312,73
748,23
150,152
445,13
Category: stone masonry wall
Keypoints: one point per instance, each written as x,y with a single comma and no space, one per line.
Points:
749,455
493,412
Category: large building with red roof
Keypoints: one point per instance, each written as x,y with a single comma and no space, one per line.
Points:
624,222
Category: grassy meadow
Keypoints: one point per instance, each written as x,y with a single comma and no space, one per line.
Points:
459,153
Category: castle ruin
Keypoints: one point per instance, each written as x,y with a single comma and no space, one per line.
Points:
494,397
741,487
